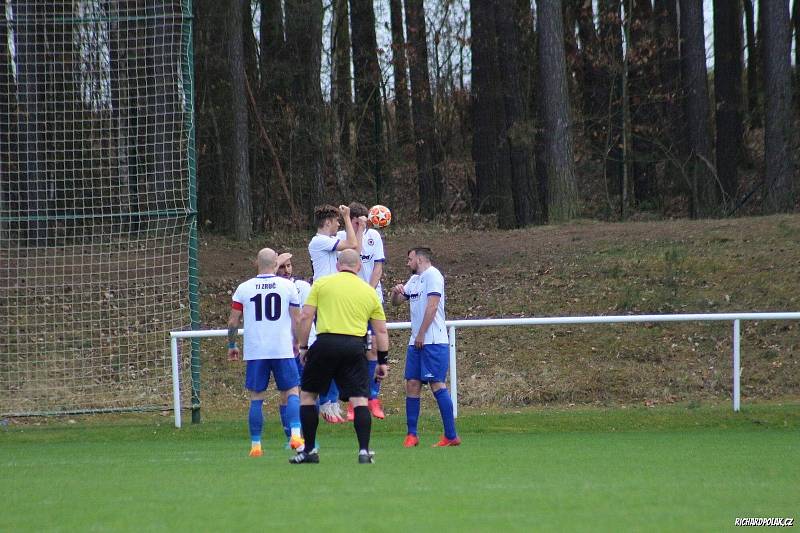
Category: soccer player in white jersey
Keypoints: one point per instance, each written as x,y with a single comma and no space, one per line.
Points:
323,250
372,260
325,244
428,355
286,270
269,306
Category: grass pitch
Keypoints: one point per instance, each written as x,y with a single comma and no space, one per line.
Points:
670,468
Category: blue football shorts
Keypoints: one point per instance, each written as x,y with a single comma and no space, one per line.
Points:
428,365
258,372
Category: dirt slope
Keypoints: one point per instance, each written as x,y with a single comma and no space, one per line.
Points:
586,268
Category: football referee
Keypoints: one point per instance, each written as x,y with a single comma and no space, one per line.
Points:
343,304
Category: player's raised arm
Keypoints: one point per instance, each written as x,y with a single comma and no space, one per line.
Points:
351,241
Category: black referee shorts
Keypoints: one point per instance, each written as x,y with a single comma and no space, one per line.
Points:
339,357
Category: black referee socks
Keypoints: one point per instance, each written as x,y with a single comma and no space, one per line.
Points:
362,422
309,419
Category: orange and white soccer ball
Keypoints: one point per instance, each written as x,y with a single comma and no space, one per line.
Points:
379,216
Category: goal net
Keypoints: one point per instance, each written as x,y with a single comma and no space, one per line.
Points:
97,219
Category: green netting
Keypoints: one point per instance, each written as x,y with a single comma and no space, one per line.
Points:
96,202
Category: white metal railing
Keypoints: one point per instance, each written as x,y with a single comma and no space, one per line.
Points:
736,318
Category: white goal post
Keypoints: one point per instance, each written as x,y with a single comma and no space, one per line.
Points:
736,318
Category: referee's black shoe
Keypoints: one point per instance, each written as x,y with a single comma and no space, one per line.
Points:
305,457
366,458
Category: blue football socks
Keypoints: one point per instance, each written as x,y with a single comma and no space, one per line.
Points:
446,409
293,414
412,414
256,420
285,422
374,386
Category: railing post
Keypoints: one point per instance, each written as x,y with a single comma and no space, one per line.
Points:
736,365
176,381
451,334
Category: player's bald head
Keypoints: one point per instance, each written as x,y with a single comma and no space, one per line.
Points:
349,260
267,259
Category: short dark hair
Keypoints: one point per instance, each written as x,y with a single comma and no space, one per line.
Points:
358,210
424,251
323,213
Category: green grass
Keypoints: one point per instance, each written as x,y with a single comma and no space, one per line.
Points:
675,468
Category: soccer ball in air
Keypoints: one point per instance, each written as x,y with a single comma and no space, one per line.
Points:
379,216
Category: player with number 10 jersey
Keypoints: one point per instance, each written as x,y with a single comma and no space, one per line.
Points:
265,302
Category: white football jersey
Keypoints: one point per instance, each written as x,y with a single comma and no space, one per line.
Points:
322,250
371,253
417,290
265,301
304,289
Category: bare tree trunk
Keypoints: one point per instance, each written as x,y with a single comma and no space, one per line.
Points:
400,69
574,66
778,156
562,190
485,79
370,156
753,62
273,94
643,83
728,93
627,144
242,223
6,89
163,118
30,53
214,201
304,44
516,133
429,159
796,24
524,17
342,86
274,61
122,66
258,158
704,195
591,90
611,87
669,69
501,147
341,98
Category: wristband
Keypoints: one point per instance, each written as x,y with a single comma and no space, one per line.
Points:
383,357
232,346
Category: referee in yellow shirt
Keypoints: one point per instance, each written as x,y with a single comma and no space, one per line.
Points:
342,303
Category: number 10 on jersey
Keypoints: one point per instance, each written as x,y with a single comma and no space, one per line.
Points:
268,306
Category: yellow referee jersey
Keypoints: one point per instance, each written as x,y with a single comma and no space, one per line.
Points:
345,303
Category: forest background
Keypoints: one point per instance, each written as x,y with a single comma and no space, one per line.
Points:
498,114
